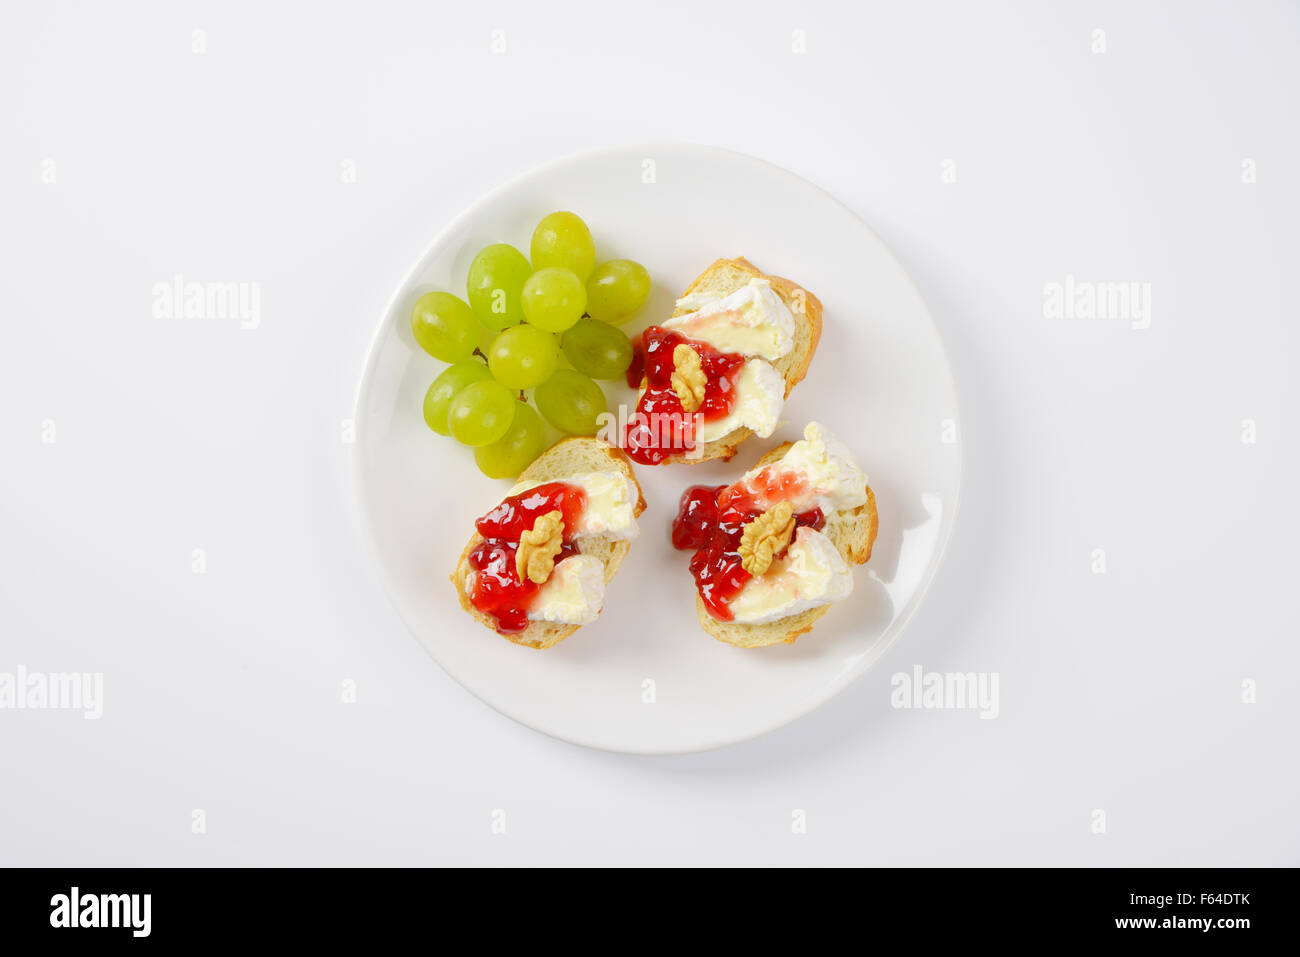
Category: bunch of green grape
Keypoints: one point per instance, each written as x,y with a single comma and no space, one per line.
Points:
520,320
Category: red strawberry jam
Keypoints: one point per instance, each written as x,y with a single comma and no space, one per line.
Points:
636,368
768,486
661,427
497,588
711,520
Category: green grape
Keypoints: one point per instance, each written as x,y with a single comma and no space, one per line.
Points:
444,326
453,379
554,299
597,349
486,336
496,278
481,413
523,356
514,451
617,289
571,402
563,239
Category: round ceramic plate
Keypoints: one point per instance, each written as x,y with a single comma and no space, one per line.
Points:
645,677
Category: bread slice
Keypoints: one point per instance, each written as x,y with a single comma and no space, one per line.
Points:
852,530
726,276
567,457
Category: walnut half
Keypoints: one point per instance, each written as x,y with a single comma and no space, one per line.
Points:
688,379
765,536
538,547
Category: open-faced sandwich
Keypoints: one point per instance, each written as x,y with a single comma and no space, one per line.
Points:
720,369
774,550
536,567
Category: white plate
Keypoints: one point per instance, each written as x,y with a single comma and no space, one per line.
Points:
645,678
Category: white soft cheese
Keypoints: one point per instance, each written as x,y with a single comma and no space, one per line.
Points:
752,321
573,594
818,471
610,508
811,574
696,300
760,396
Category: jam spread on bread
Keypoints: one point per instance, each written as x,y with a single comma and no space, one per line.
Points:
497,589
636,368
662,427
711,520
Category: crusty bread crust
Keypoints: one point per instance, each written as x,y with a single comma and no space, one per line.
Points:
853,531
567,457
726,276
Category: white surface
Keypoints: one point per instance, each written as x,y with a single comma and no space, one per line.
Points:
1119,692
646,678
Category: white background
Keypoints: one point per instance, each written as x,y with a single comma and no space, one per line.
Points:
1119,691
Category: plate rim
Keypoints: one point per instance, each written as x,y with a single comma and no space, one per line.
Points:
366,379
